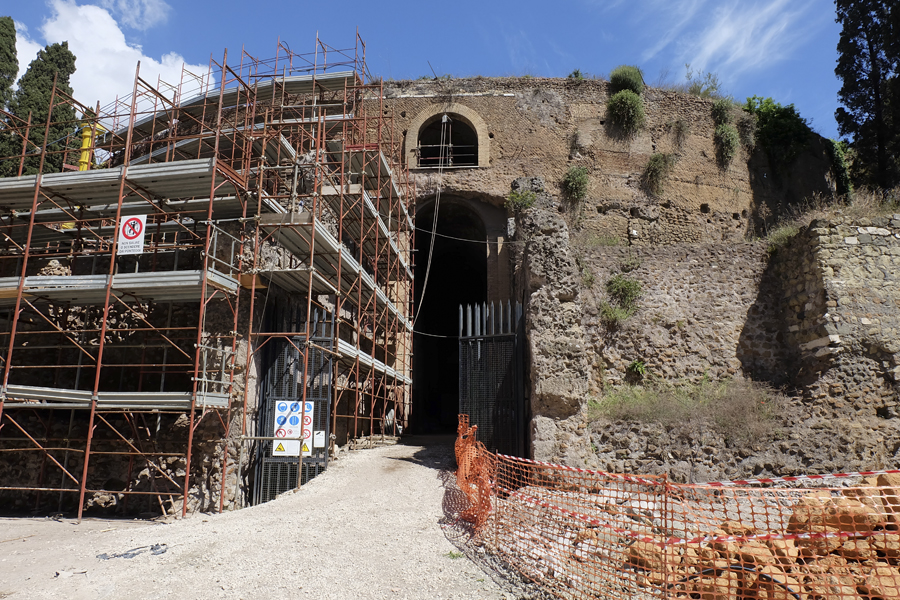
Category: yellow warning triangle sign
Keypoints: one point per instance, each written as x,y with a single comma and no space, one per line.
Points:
280,447
305,447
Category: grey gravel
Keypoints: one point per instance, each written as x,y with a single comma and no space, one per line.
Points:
380,523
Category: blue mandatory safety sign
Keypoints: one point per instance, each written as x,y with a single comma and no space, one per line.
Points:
294,420
282,420
282,407
309,408
295,406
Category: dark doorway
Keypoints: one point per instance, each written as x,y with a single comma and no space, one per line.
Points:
458,276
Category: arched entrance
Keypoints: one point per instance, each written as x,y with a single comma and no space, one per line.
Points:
459,275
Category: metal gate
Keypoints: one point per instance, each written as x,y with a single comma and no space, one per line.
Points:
491,386
283,398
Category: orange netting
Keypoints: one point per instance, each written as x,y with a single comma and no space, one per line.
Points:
586,534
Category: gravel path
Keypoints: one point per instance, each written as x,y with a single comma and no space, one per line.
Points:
370,527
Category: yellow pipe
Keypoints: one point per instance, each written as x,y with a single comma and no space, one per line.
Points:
87,145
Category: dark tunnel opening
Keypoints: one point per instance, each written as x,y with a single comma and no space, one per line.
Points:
458,276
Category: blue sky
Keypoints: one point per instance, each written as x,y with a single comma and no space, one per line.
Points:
779,48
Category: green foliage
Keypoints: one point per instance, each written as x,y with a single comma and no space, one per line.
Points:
656,172
781,131
614,316
727,141
454,554
626,110
746,127
9,64
681,129
780,236
576,75
868,60
518,201
837,152
721,111
740,411
624,291
33,95
705,85
575,183
587,277
637,368
626,77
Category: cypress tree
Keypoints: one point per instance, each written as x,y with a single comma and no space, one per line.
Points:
33,95
868,56
9,65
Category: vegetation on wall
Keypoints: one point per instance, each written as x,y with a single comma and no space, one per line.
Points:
781,132
740,411
840,170
623,293
656,172
625,109
704,85
576,75
727,140
518,201
721,111
575,183
626,77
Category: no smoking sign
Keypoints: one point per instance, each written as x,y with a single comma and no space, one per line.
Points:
131,235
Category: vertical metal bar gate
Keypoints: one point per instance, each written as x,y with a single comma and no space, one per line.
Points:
282,399
491,386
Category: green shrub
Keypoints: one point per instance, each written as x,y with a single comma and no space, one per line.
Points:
655,173
721,111
518,201
575,183
625,109
780,130
587,277
681,129
704,85
637,368
727,141
576,75
624,291
613,316
740,411
837,152
630,264
746,127
781,235
626,77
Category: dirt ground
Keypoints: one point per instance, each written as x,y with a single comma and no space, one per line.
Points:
380,523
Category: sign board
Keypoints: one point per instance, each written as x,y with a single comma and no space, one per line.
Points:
292,437
131,235
318,439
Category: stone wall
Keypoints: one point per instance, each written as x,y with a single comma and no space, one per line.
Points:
542,127
707,310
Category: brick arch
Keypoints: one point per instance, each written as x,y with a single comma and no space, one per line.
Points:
456,111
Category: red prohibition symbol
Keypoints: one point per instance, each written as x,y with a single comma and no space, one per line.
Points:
307,420
132,228
307,433
280,433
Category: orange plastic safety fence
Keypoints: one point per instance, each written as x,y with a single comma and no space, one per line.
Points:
587,534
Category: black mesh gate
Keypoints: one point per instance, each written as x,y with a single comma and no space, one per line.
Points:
491,386
300,425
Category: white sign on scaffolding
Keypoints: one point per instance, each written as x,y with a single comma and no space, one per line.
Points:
131,235
293,429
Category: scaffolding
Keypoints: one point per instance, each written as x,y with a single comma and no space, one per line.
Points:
232,259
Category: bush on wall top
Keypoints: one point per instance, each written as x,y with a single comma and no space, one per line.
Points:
626,77
626,110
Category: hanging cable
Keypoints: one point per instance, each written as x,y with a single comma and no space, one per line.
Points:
445,120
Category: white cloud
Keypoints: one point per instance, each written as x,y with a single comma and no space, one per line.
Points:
733,36
105,61
139,14
26,48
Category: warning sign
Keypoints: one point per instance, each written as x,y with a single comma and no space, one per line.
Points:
131,235
294,439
